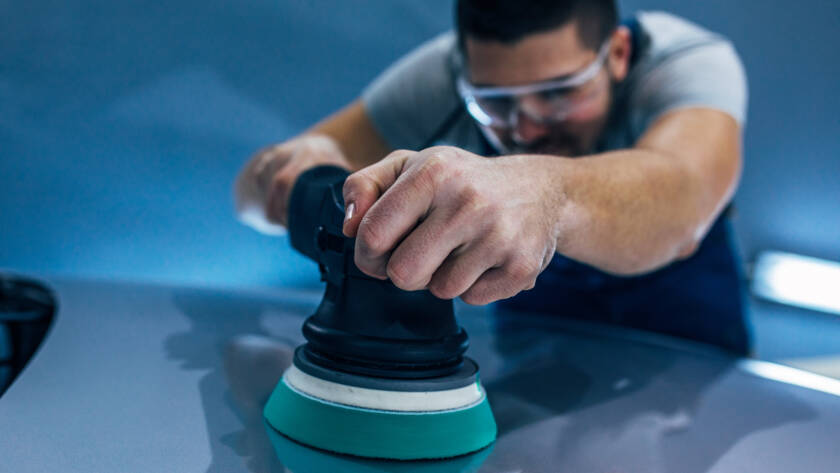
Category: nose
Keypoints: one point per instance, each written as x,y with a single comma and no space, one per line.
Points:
526,130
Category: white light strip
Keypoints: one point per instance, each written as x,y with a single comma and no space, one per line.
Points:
786,374
405,401
798,280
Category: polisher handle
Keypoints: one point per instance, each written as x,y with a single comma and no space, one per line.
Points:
369,321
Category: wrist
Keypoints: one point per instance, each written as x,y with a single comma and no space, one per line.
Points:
553,179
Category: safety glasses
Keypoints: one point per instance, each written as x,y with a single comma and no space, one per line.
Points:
544,102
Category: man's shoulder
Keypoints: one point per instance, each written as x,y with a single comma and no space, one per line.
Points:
677,64
442,44
434,56
415,100
665,35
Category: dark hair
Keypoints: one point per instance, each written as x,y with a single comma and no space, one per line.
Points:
508,21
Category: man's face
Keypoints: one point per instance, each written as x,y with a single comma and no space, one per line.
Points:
544,57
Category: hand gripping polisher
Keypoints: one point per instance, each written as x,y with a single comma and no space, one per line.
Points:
382,373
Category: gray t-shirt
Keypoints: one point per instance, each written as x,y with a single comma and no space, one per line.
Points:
414,103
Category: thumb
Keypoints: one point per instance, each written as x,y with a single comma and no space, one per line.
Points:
364,187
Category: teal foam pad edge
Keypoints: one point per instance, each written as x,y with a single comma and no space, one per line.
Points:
379,434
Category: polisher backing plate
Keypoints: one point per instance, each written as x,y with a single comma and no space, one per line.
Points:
380,399
372,433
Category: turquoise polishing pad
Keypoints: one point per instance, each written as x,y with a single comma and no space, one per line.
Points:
382,434
299,458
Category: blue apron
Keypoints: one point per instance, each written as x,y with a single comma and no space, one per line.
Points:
699,298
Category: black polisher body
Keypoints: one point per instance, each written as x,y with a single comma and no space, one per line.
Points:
367,332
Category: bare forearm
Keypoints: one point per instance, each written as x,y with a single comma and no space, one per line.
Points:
354,134
632,211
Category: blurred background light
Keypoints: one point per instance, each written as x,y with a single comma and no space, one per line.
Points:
802,281
786,374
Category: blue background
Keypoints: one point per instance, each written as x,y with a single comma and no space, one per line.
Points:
123,124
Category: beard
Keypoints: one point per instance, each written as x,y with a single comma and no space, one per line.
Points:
560,140
557,143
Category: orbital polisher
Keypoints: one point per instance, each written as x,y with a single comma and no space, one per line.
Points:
383,372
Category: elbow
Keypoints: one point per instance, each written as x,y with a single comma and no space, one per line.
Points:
630,267
689,244
687,249
634,265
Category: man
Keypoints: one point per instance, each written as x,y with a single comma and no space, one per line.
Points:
616,150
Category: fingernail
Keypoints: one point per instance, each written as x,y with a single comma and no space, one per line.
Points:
348,214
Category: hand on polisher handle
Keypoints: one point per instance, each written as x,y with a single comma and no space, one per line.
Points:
382,374
264,184
456,223
387,331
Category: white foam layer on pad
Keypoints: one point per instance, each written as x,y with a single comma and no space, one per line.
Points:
404,401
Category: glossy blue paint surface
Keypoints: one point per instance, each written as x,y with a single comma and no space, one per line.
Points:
184,373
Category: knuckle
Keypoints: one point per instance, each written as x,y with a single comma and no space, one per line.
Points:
281,182
468,299
473,207
367,266
504,237
398,153
470,199
370,237
474,297
400,156
359,184
444,289
435,167
443,152
521,270
424,182
356,179
400,274
351,184
438,291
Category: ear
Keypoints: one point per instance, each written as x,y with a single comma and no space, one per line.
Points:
618,59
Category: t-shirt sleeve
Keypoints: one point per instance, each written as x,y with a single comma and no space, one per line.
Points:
413,98
709,75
